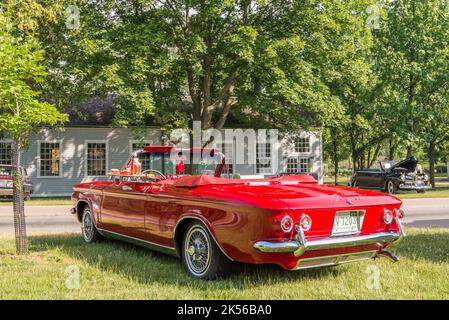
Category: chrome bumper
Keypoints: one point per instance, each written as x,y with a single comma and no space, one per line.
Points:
413,187
6,192
301,245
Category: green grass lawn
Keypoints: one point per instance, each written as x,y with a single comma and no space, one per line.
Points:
112,270
56,201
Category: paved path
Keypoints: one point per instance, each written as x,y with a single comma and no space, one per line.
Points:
57,219
427,212
40,220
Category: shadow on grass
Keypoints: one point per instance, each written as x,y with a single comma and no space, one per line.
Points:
148,266
432,247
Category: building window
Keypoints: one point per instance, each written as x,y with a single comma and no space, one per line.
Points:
50,159
302,145
292,165
144,158
228,150
298,165
304,165
96,159
263,159
5,153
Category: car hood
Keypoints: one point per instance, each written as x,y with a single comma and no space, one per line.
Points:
407,164
300,196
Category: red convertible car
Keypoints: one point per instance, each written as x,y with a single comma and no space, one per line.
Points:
198,213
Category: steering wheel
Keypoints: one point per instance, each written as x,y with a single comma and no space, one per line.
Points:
162,176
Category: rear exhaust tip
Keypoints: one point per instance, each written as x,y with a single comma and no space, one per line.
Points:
388,254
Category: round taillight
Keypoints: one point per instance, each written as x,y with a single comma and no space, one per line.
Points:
286,224
388,216
305,222
400,214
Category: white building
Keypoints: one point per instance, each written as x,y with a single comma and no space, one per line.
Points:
56,160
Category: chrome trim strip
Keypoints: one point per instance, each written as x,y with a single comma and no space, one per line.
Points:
268,246
136,239
208,229
88,190
300,244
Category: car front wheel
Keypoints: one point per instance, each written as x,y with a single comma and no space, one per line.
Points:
200,254
89,231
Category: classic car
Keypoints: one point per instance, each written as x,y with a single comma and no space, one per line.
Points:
391,176
6,184
208,221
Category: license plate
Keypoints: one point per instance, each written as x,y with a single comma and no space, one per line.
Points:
348,222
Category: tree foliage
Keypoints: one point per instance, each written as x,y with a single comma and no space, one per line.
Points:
21,112
371,74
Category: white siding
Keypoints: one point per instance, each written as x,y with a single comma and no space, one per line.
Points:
73,159
119,140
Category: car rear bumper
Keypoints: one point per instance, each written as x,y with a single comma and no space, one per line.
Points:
5,191
300,245
9,192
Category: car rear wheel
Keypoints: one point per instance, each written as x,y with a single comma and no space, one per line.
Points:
391,187
200,254
89,231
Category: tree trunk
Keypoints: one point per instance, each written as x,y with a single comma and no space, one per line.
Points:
18,201
335,155
353,152
432,163
375,155
447,170
409,151
391,149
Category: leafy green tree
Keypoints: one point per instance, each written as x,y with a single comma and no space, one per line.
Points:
177,61
413,54
20,110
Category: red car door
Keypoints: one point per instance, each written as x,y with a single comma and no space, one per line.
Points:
163,211
123,209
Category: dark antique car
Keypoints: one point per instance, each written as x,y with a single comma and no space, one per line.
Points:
392,176
191,211
6,184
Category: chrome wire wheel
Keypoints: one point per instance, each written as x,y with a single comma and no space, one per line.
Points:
197,248
88,227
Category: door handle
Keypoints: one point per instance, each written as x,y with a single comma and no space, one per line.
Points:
126,188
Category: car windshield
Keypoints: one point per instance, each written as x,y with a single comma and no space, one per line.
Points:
207,165
387,164
162,162
5,171
159,161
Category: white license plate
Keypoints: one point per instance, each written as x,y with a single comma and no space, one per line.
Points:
348,222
